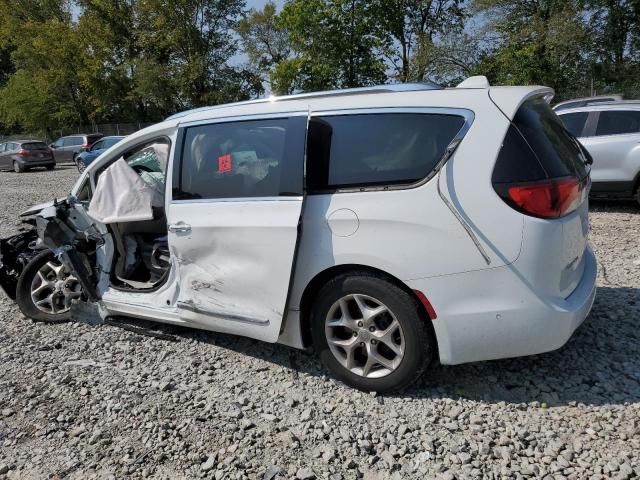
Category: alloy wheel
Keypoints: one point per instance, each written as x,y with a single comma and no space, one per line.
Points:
54,288
364,336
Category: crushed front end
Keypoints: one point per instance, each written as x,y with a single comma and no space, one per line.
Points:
15,253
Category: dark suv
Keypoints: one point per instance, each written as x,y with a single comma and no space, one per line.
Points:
66,149
21,155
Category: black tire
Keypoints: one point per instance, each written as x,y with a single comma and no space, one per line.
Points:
23,291
418,336
50,167
17,167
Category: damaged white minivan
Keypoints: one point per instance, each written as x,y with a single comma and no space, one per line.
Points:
385,227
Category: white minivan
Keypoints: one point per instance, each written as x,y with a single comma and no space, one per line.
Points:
384,227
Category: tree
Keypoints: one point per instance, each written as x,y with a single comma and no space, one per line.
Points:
334,45
264,40
187,45
410,29
538,42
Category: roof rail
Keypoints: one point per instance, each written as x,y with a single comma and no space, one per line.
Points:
396,87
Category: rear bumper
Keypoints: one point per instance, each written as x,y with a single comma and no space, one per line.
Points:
495,313
36,162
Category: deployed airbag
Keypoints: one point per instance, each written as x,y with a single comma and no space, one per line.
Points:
122,196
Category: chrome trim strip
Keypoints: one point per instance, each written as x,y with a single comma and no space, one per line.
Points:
245,118
239,200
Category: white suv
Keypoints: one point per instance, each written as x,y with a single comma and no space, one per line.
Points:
384,227
611,134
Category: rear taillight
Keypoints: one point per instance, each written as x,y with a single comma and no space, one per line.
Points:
545,198
23,153
86,145
50,151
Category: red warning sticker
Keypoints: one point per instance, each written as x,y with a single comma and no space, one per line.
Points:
224,163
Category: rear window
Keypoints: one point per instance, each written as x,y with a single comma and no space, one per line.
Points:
93,138
618,122
376,149
574,122
34,146
538,147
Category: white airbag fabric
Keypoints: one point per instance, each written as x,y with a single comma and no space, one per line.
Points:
122,196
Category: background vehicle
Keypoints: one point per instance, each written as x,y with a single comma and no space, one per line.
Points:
383,226
66,149
611,134
22,155
86,157
581,102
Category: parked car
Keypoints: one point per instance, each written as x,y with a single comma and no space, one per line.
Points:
66,149
582,102
23,155
86,157
611,134
385,226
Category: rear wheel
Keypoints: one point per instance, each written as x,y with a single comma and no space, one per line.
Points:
46,289
50,167
370,333
17,167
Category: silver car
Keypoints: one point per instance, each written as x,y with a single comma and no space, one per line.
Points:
611,134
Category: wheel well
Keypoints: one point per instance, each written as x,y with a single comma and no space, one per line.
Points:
314,286
636,184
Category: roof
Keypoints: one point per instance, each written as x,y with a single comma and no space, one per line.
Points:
398,87
603,106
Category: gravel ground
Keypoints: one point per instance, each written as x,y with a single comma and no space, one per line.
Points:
78,401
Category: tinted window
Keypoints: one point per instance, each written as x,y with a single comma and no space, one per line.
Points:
58,143
72,141
34,146
376,149
98,146
537,147
93,138
574,122
617,123
257,158
109,142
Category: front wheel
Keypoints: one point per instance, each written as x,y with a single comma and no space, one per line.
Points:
370,333
80,164
46,289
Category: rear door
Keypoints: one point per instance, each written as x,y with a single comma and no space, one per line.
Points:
234,221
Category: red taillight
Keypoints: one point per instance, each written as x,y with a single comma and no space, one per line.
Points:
86,145
50,151
547,198
23,153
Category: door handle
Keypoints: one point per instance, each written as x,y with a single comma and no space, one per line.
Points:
179,228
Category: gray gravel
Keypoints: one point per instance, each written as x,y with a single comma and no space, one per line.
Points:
80,401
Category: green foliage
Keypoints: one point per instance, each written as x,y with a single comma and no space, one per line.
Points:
70,62
334,43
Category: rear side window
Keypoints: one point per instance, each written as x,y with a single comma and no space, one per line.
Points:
376,149
34,146
256,158
72,141
574,122
618,122
537,147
